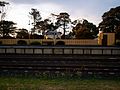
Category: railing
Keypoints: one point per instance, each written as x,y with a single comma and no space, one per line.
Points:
45,50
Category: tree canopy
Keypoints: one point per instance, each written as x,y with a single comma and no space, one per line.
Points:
7,28
2,11
85,30
36,18
22,33
63,19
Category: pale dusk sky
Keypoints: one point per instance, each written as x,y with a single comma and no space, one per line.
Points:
92,10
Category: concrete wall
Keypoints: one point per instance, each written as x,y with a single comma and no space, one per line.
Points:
43,41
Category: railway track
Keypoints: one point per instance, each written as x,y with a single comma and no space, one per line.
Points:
82,65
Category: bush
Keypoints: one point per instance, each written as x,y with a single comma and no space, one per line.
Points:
21,42
0,42
60,43
118,43
50,43
35,43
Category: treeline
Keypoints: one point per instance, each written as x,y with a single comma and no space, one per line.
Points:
79,29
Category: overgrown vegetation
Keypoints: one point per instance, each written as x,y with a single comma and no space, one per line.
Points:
10,83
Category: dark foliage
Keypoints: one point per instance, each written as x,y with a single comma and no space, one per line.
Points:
60,43
7,37
85,30
22,34
36,36
7,28
0,42
21,42
35,43
118,43
63,20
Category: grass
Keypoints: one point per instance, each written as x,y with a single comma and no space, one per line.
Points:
17,83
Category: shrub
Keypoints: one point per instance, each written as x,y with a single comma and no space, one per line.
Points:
50,43
35,43
60,43
0,42
21,42
118,43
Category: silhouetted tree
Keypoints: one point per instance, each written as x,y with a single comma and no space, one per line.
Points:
22,34
7,28
2,11
111,21
36,18
3,3
43,25
85,30
63,20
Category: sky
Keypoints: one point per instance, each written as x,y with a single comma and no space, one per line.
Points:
92,10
